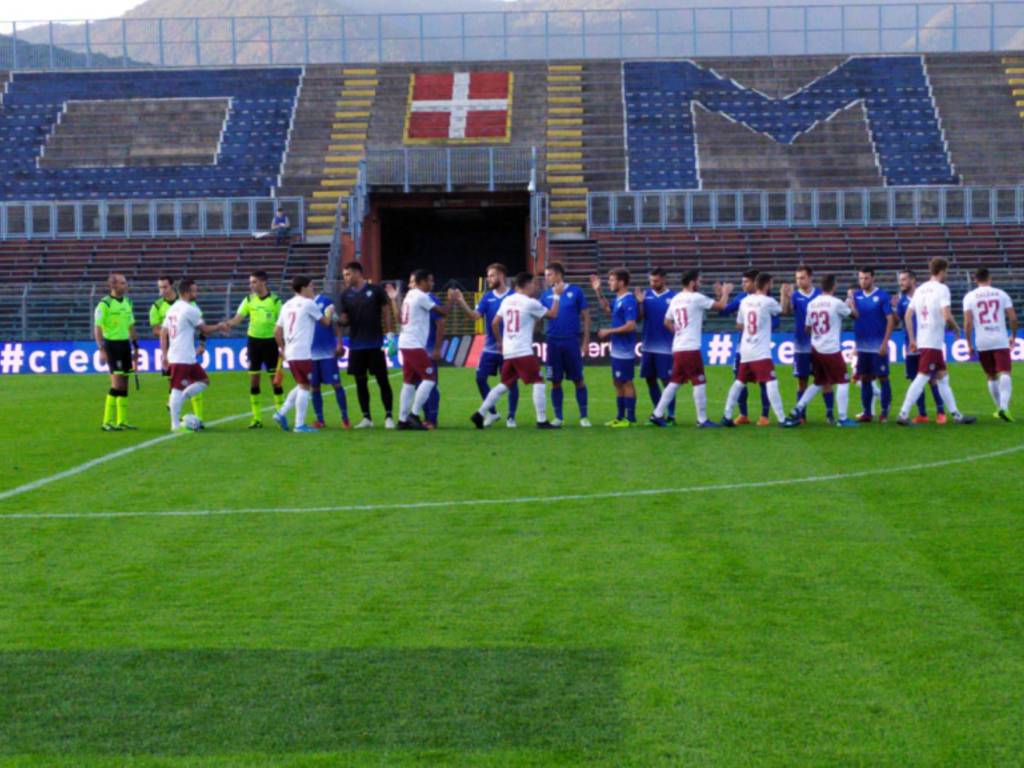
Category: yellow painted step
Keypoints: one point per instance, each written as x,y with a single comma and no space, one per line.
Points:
320,232
565,230
558,217
569,191
556,167
353,114
564,78
343,158
1019,103
356,93
1015,70
563,121
327,206
340,186
359,71
359,147
341,170
565,179
361,83
565,68
565,89
1016,81
565,144
565,156
576,203
569,133
349,136
354,103
568,99
1012,60
320,219
352,126
328,194
565,111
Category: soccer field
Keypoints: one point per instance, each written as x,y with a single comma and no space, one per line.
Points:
583,597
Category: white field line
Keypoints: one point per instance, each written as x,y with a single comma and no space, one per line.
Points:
126,451
835,477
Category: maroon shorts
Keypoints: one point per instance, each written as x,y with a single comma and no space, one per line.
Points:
759,371
184,374
525,369
995,361
302,371
688,367
417,366
829,369
932,362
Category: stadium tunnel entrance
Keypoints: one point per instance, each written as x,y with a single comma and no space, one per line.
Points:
456,236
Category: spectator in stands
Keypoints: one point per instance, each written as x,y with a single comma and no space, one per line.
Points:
281,227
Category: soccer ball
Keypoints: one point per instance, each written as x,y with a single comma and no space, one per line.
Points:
191,421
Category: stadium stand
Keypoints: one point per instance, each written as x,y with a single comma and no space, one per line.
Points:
248,155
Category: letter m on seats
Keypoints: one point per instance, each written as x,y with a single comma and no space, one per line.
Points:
902,119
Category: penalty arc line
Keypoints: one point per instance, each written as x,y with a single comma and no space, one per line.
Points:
126,451
516,501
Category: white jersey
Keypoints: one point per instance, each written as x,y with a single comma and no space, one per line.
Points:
687,312
298,319
988,306
928,302
825,322
415,319
755,315
519,314
181,322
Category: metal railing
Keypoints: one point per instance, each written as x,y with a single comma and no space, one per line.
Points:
640,33
449,168
77,219
804,208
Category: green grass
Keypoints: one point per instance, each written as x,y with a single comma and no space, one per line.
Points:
873,621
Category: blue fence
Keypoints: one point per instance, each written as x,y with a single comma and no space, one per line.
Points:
804,207
145,218
635,33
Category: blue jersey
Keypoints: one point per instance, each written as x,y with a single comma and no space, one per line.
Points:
487,308
624,309
901,310
572,304
656,337
800,334
324,341
873,316
432,333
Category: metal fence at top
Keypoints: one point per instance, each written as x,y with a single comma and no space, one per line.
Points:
42,219
485,167
640,33
804,207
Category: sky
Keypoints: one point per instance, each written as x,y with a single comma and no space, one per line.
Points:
39,10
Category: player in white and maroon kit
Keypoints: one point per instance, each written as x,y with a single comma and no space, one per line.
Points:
824,319
987,312
178,345
514,324
685,318
419,374
754,319
294,335
931,307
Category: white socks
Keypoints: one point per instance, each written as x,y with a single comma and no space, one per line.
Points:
666,397
809,394
733,397
914,391
405,400
947,395
301,404
178,398
492,398
775,398
993,390
540,402
842,401
1005,390
700,400
422,395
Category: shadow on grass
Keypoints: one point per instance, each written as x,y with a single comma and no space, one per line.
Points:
214,701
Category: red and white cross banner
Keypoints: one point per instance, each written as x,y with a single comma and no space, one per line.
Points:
463,107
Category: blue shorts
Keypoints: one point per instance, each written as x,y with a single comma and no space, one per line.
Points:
802,365
325,372
490,364
911,362
623,369
565,361
655,365
872,365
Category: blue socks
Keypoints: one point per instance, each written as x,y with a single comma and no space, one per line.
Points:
485,388
620,408
886,397
940,405
743,402
654,390
766,405
629,403
866,396
432,406
513,401
581,401
557,399
318,404
339,395
830,404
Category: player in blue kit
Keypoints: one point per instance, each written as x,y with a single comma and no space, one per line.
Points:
872,329
491,360
325,367
908,284
435,338
747,286
568,336
656,339
624,311
794,302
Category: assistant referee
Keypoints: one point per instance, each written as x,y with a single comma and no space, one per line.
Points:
114,331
